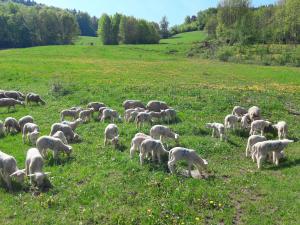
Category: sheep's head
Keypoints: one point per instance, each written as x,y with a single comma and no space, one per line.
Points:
18,176
79,121
69,150
208,125
115,141
34,136
40,178
76,137
176,138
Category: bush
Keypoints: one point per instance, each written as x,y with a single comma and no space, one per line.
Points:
225,54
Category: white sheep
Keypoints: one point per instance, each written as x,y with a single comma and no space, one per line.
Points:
218,130
68,132
127,114
161,132
136,143
11,125
34,167
9,170
262,149
111,134
160,116
29,128
32,97
156,106
24,120
10,102
259,126
73,124
73,112
109,114
190,156
96,105
231,121
142,118
133,116
254,113
252,140
131,104
2,130
155,147
86,115
239,111
170,115
33,136
56,145
246,121
282,129
60,135
17,95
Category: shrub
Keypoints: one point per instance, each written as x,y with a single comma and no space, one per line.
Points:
224,54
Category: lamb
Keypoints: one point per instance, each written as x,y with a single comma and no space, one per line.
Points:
2,130
55,144
218,130
15,95
246,121
111,134
29,128
73,124
231,121
34,167
133,116
10,102
131,104
170,115
60,135
252,140
259,126
152,146
142,118
86,115
161,132
9,170
239,111
282,129
188,155
262,149
101,112
254,113
127,114
110,114
68,132
74,113
24,120
95,105
11,125
157,106
33,136
136,143
32,97
158,115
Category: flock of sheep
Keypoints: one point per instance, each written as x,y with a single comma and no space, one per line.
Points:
152,145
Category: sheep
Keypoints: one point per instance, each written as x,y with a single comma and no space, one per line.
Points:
15,95
68,132
161,132
29,128
127,114
133,116
152,146
231,121
282,129
259,126
188,155
218,130
254,113
73,124
158,115
2,130
34,167
33,136
239,111
24,120
142,118
86,115
10,102
11,125
60,135
96,105
170,115
111,134
252,140
101,112
262,149
136,143
32,97
73,112
110,114
131,104
55,144
157,106
246,121
9,170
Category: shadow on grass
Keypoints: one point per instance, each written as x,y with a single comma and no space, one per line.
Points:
122,148
200,132
233,143
286,164
60,161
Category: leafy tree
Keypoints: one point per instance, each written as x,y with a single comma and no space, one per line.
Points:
105,29
164,27
187,20
115,27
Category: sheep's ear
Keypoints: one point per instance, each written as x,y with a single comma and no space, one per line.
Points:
13,174
47,173
31,175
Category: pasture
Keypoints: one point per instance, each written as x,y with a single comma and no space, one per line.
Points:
102,185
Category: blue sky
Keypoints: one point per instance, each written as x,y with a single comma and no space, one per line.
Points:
153,10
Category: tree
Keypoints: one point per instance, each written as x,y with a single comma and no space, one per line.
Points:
104,30
187,20
115,27
85,23
164,27
211,26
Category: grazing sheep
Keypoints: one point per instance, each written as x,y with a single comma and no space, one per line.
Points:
9,170
68,132
131,104
73,124
2,130
136,143
218,130
60,135
157,106
29,128
254,113
239,111
101,112
86,115
252,140
15,95
282,129
259,126
111,134
133,116
231,121
73,112
10,102
110,114
246,121
33,136
96,106
34,167
11,125
54,144
127,114
24,120
188,155
262,149
152,146
157,115
32,97
142,118
161,132
170,115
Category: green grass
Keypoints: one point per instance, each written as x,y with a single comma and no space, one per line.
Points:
102,185
88,41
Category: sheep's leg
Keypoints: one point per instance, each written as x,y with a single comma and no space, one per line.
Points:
159,158
141,158
262,132
190,168
171,165
213,133
105,141
153,156
132,150
24,138
7,180
247,149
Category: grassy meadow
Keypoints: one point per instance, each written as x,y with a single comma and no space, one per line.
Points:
100,185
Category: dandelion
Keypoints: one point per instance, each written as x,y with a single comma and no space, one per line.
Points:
211,202
197,218
220,205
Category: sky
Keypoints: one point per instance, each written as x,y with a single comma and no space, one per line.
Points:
152,10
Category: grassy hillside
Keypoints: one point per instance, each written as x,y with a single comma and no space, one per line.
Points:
102,185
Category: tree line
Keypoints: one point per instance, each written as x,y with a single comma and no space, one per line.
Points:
236,21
